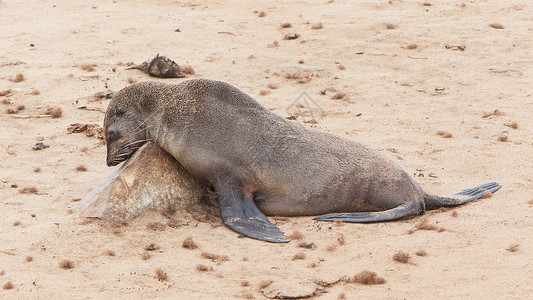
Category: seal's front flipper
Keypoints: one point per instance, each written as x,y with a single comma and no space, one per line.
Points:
240,213
399,212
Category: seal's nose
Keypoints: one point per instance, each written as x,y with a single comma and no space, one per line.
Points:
109,161
109,164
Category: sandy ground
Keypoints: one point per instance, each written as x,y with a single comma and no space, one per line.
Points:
408,71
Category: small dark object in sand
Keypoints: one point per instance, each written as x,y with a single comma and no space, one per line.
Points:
188,243
107,94
66,264
307,245
513,125
300,255
156,226
513,248
152,247
296,235
291,36
55,112
81,168
40,146
8,285
203,268
17,78
161,275
402,257
503,138
28,190
215,257
160,66
368,277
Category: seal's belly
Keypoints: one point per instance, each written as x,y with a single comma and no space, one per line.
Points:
276,206
349,195
315,205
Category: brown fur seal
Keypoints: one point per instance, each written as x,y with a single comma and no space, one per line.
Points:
262,164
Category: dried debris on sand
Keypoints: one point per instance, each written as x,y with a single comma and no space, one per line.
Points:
66,264
161,275
513,248
496,26
5,93
8,285
162,67
513,125
18,78
203,268
89,129
444,134
402,257
494,113
424,225
367,278
188,243
296,235
215,257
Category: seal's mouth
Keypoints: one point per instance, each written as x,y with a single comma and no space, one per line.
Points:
122,152
113,161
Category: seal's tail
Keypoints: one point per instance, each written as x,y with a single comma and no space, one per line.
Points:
464,196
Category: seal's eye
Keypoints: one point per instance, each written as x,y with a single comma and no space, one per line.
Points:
118,111
112,136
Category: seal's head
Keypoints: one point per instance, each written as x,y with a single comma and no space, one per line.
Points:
124,133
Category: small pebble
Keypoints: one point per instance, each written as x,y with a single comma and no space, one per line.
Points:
40,146
152,247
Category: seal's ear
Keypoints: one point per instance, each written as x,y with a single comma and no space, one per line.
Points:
117,110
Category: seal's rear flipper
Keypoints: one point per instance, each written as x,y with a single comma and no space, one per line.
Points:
480,191
240,213
399,212
464,196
